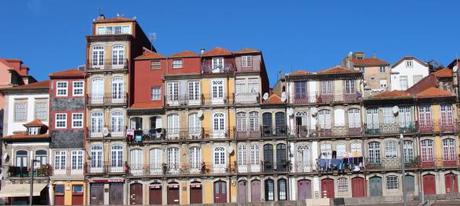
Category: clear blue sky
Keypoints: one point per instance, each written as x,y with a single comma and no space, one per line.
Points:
50,35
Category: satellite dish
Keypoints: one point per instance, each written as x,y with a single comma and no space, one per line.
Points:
230,150
395,110
5,157
314,111
283,97
200,113
105,131
265,96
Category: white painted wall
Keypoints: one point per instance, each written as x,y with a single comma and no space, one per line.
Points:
402,69
10,125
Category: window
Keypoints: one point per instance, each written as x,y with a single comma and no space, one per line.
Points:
118,55
326,151
382,69
427,150
42,157
342,184
425,116
282,195
33,130
136,159
326,87
219,122
303,155
194,123
253,121
98,56
300,89
77,160
392,182
59,160
217,64
217,89
383,84
173,158
173,123
21,158
246,61
405,119
354,118
177,63
403,83
61,89
324,118
409,63
241,122
372,118
242,154
78,88
61,120
408,149
41,109
356,149
59,189
156,93
195,157
448,149
350,86
253,85
269,190
97,90
77,188
118,88
374,152
361,69
156,159
254,156
20,110
118,122
117,156
390,149
96,156
173,91
219,156
77,120
96,122
446,115
194,90
417,78
388,116
155,65
341,150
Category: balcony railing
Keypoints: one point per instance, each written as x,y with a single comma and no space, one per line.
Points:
278,131
328,98
416,162
208,68
389,128
247,133
210,99
248,168
438,126
178,169
183,100
107,99
247,98
105,167
41,171
175,135
108,64
334,131
272,166
98,133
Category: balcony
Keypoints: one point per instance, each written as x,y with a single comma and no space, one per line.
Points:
208,68
328,98
247,133
171,135
217,100
108,99
340,165
270,166
108,65
274,132
24,172
248,168
98,133
333,132
389,128
191,133
183,100
177,170
247,98
102,168
412,163
438,127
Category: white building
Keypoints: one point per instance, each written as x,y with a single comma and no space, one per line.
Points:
406,72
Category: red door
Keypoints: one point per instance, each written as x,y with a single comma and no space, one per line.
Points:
135,196
77,195
220,192
59,195
196,195
173,194
429,185
327,188
358,187
451,183
155,196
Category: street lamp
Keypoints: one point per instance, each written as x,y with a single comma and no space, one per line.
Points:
32,181
401,145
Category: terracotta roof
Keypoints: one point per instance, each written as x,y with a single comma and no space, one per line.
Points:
150,55
274,99
113,19
218,51
337,70
247,51
34,123
25,136
299,72
184,54
145,105
443,73
68,73
395,94
368,62
35,85
433,92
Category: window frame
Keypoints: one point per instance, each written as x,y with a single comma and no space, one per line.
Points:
82,88
392,182
57,121
65,89
154,95
177,64
74,120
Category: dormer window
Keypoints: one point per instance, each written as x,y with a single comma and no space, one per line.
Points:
246,61
33,130
107,30
177,64
217,64
409,63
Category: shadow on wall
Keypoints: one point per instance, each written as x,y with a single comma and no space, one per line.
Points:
1,122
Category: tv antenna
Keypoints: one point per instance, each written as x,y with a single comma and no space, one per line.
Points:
152,38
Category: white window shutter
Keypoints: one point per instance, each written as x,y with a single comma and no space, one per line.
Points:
339,117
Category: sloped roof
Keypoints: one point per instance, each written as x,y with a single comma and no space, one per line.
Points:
186,53
34,123
368,62
337,70
395,94
149,55
433,92
218,51
274,99
409,58
36,85
443,73
247,51
299,72
26,137
68,73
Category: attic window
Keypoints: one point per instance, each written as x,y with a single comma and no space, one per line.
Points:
34,130
155,65
409,63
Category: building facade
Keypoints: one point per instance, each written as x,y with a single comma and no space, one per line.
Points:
406,72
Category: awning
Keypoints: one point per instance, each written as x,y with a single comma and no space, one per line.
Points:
20,190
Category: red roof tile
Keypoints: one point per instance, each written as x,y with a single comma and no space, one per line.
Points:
247,51
68,73
368,62
443,73
337,70
25,136
35,85
150,55
299,72
184,54
274,99
433,92
34,123
218,51
395,94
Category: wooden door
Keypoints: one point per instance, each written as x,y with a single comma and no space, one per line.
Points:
327,188
173,194
196,194
135,195
429,184
155,194
255,191
451,183
409,183
220,192
358,187
303,189
59,195
77,195
116,193
242,192
96,194
375,186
